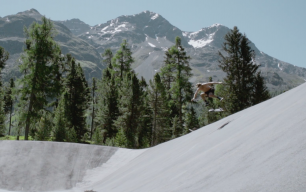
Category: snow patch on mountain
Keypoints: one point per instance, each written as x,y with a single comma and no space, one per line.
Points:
201,42
203,37
113,28
279,66
151,45
154,17
104,28
185,34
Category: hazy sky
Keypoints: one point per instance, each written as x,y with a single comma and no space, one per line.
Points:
277,27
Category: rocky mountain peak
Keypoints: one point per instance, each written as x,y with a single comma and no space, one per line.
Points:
135,28
31,13
76,26
212,35
149,35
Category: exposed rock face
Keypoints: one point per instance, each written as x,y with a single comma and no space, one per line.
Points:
149,35
12,39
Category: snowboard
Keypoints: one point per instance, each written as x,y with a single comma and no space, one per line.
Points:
216,110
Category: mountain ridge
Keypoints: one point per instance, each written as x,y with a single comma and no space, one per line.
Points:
12,39
148,45
149,34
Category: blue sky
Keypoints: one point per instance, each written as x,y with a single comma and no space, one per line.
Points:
277,27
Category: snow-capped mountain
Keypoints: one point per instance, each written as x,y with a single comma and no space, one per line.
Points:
149,36
135,28
209,36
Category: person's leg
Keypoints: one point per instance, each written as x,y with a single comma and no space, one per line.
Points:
214,96
204,98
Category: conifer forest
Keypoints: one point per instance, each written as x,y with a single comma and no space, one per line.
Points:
53,101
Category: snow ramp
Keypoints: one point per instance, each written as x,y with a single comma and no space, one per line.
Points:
55,166
262,148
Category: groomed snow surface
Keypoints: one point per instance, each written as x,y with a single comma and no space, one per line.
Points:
262,148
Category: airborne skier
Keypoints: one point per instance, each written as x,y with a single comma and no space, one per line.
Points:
208,91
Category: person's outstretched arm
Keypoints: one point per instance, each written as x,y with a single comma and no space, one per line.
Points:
195,95
210,83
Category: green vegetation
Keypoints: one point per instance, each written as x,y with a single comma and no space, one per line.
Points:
4,55
39,64
244,84
52,100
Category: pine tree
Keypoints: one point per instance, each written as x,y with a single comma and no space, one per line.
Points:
121,140
97,137
175,75
107,100
9,101
177,127
145,119
76,97
122,60
108,57
37,67
191,120
70,120
130,109
240,69
4,55
62,119
93,89
60,68
42,128
62,106
158,103
261,92
2,114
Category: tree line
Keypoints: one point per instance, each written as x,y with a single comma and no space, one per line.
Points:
53,101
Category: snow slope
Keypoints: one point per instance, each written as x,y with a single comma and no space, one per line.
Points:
262,148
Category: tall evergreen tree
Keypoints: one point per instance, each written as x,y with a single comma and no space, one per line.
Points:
130,109
61,67
145,121
78,96
261,92
122,60
93,90
107,100
9,101
62,119
4,55
241,71
158,103
38,69
108,57
175,74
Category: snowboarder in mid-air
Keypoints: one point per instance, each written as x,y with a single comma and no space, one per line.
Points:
208,91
